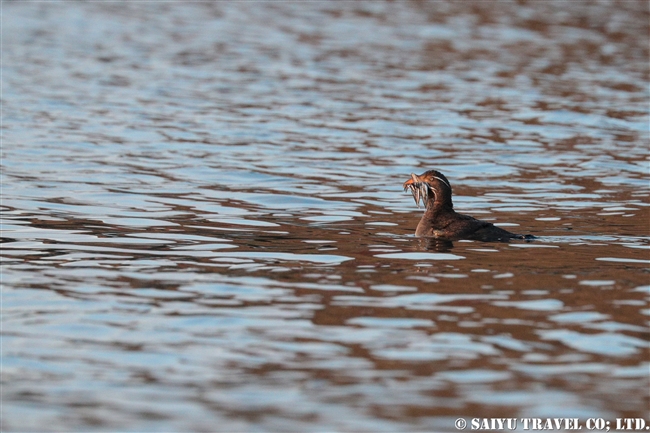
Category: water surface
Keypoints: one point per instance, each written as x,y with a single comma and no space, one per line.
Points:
204,227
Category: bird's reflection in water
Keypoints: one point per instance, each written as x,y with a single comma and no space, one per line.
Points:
435,244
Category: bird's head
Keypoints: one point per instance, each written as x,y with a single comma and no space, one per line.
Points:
432,187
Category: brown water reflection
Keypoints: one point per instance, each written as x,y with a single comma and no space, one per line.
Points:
204,227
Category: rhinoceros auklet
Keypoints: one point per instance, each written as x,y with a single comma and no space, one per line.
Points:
440,220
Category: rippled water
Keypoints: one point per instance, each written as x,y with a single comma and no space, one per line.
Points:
204,227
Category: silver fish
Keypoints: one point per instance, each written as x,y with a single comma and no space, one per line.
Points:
424,193
419,189
416,195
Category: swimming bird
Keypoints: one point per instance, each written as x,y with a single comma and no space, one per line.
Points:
441,221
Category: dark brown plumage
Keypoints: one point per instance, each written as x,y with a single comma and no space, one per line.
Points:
441,221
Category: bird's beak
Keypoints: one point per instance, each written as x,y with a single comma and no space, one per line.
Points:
414,179
418,188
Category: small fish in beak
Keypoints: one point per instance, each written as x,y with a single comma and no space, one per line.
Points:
419,189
